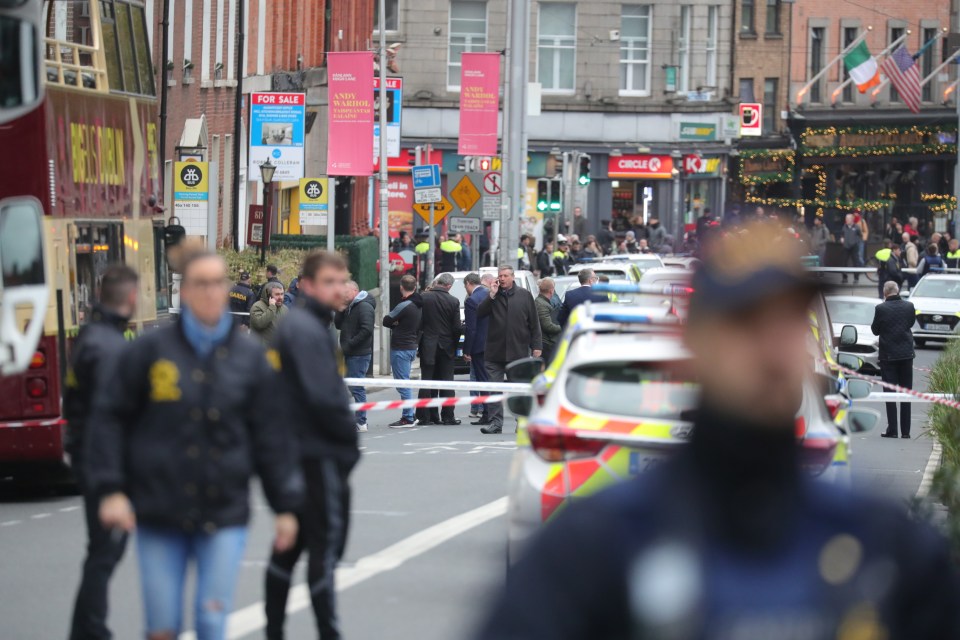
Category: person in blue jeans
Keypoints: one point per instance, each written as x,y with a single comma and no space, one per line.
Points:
355,323
404,324
179,427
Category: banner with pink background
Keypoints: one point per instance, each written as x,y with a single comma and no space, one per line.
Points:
350,115
479,104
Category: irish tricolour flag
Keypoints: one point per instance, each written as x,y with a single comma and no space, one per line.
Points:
862,67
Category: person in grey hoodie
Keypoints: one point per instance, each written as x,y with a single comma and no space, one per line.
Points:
356,323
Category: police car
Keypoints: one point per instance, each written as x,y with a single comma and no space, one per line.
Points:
936,299
617,400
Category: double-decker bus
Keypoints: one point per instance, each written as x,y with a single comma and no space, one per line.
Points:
78,139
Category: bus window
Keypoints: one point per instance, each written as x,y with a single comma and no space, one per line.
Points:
126,46
21,244
98,246
19,81
161,271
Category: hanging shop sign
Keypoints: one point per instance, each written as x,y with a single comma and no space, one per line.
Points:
644,166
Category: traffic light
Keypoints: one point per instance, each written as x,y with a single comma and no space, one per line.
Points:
584,173
548,195
485,164
556,201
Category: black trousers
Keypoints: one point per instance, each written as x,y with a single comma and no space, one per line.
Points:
440,369
478,367
104,552
851,258
899,372
324,523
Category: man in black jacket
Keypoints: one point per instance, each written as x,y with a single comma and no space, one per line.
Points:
176,433
892,321
404,324
356,325
438,346
317,405
513,333
576,297
242,298
93,354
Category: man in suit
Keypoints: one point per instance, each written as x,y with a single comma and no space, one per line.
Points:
475,336
581,294
892,321
440,326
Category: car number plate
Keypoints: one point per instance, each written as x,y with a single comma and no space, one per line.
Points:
937,327
641,462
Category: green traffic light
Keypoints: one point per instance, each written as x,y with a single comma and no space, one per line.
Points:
555,206
542,206
584,180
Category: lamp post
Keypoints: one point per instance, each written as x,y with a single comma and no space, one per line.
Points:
266,174
677,222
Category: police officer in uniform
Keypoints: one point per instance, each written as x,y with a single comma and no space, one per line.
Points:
242,298
185,419
730,538
953,254
449,254
94,353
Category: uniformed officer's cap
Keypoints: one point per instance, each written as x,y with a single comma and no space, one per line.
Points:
244,275
748,267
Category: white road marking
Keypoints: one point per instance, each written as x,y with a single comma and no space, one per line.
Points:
932,464
251,618
38,516
68,509
10,523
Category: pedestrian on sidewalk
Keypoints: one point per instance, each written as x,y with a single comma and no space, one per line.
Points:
513,333
851,237
356,323
267,312
438,345
176,433
315,403
93,355
475,338
550,329
404,324
888,269
892,321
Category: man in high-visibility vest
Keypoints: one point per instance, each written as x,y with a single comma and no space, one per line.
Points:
449,254
888,265
953,254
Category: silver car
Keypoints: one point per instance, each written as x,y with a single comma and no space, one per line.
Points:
937,301
858,312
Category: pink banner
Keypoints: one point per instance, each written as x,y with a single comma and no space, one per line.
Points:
479,103
350,116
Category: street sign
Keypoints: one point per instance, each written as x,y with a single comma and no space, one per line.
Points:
458,224
426,176
191,195
277,133
491,207
751,119
440,210
394,97
426,196
313,206
465,194
493,183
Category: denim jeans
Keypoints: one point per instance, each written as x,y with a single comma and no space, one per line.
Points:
164,555
400,361
357,367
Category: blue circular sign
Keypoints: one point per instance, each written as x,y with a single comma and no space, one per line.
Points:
276,153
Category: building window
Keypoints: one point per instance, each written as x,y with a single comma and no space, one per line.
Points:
770,105
926,63
817,44
392,11
468,34
895,34
773,17
849,35
748,13
713,12
557,46
683,49
635,50
746,90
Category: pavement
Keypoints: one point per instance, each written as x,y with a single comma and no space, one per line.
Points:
427,541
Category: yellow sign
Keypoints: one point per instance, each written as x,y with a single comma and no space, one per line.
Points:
190,181
440,210
465,194
313,201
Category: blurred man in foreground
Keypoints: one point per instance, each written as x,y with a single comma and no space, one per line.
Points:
729,539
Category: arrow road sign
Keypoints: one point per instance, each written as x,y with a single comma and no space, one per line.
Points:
493,183
440,210
426,176
465,194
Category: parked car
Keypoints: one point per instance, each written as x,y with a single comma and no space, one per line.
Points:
858,312
937,301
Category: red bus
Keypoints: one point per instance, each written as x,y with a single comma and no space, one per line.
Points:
82,143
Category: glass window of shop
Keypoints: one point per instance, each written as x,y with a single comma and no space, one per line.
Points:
632,203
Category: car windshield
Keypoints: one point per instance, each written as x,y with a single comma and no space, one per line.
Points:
937,288
564,285
613,274
647,263
850,312
635,389
458,290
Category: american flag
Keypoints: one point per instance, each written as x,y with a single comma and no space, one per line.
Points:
904,72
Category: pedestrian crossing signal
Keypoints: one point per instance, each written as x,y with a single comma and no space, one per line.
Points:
548,195
584,178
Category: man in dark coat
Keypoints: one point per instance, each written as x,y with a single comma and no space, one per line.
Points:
404,324
892,321
576,297
176,435
91,359
514,333
550,330
440,326
356,324
242,298
475,336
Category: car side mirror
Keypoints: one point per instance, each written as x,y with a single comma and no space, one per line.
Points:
524,369
848,336
849,361
861,420
858,389
520,405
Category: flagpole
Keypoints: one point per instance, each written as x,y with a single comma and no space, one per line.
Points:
803,90
891,47
886,80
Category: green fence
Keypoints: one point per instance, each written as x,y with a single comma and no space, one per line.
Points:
361,252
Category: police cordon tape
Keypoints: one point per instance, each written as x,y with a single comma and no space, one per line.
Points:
519,388
900,394
425,403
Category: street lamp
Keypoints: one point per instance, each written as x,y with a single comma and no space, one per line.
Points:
266,174
677,221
